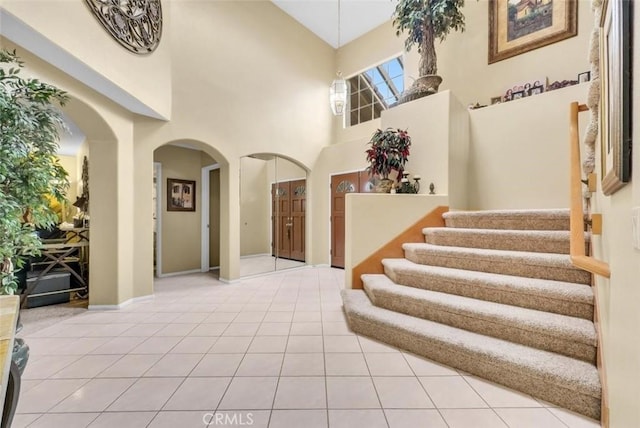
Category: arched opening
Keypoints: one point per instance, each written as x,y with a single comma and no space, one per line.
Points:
189,203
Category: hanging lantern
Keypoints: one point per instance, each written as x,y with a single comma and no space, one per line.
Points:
338,95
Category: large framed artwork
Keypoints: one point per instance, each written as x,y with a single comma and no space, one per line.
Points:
181,195
518,26
615,94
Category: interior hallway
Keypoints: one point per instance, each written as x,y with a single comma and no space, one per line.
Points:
275,349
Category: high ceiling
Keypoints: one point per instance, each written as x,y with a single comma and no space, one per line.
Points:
357,17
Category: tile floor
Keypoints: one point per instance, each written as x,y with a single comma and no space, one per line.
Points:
267,351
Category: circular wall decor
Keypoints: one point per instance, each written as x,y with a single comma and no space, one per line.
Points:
135,24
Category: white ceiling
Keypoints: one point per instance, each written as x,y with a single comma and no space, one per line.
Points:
357,17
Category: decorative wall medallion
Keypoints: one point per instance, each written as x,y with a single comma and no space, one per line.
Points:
135,24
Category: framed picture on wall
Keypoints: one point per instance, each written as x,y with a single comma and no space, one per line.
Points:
518,26
181,195
615,94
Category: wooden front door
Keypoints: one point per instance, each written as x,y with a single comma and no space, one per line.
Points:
288,204
298,208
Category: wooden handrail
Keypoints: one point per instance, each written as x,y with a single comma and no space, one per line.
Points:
577,247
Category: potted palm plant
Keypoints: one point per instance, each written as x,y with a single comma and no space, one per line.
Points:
424,21
389,152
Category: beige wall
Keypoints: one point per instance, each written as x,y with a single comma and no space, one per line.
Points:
620,296
519,152
180,229
72,26
366,212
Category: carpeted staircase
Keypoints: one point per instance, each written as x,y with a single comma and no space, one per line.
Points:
494,294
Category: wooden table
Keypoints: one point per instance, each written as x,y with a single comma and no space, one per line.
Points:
9,306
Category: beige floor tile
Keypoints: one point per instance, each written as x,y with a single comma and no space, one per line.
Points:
529,418
162,317
217,365
472,418
336,328
306,329
171,419
413,418
307,316
109,330
198,393
176,329
574,420
452,392
249,393
260,365
341,344
387,365
81,346
373,418
46,366
248,316
301,393
351,393
192,317
24,420
64,420
119,345
194,345
401,393
94,396
231,345
241,329
333,316
131,365
500,396
268,344
122,419
304,344
47,394
86,367
303,365
424,367
146,395
221,317
174,365
240,418
298,418
278,317
369,345
350,364
209,329
274,329
156,345
143,330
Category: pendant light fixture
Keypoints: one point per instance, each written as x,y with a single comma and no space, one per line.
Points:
338,89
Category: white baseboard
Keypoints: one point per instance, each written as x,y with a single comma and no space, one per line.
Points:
184,272
121,305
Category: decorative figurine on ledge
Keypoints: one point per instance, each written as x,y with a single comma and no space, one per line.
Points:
406,186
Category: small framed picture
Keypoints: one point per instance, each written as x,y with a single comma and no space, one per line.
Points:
181,195
496,100
518,94
584,77
536,89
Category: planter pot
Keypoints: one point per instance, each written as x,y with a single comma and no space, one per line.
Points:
423,86
384,186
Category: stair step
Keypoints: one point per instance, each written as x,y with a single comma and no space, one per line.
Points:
556,267
557,297
558,379
570,336
556,219
536,241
